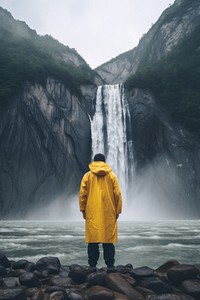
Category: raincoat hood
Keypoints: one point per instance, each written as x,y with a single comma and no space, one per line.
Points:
99,168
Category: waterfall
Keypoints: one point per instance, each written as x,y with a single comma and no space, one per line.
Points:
110,128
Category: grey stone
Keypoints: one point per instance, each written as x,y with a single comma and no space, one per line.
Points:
99,293
12,294
56,296
4,262
191,287
11,282
20,264
50,264
78,274
3,271
118,284
142,272
156,284
60,281
30,280
182,272
166,266
97,279
52,289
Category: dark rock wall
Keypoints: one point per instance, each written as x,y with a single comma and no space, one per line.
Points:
44,147
168,155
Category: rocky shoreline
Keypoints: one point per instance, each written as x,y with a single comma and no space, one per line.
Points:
47,279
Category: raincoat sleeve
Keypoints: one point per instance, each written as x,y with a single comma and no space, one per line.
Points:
117,195
83,194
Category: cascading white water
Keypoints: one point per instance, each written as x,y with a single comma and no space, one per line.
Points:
109,132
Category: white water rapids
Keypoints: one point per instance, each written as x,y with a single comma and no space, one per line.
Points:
109,132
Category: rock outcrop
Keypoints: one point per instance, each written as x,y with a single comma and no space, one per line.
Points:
167,161
45,146
176,22
45,138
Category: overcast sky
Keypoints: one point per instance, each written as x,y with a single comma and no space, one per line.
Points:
98,29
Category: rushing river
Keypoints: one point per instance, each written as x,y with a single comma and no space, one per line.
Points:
140,243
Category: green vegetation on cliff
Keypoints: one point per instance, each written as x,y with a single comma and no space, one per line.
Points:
175,82
28,57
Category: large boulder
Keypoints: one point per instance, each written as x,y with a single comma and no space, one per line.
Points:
4,262
60,281
142,272
182,272
119,284
78,274
99,293
191,287
20,264
11,282
29,279
50,264
167,265
156,284
98,278
3,271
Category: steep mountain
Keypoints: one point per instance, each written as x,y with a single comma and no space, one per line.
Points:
46,93
176,23
164,98
162,83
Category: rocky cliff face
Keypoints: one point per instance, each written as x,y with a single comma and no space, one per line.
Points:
174,24
44,147
45,138
167,179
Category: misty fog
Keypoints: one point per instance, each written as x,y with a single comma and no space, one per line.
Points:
156,193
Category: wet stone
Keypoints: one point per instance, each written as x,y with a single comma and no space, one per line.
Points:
182,272
3,271
97,279
191,287
57,296
156,284
12,294
142,272
60,281
11,282
54,288
75,296
50,264
118,296
118,284
30,267
166,266
129,279
64,271
2,284
78,274
30,280
35,294
18,273
4,262
99,293
19,264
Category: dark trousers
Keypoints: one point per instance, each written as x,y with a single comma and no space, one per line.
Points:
108,254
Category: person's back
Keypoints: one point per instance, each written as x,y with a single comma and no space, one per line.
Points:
101,202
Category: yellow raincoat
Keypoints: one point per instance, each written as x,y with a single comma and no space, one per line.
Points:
101,199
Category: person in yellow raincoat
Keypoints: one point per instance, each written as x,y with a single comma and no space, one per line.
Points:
100,202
